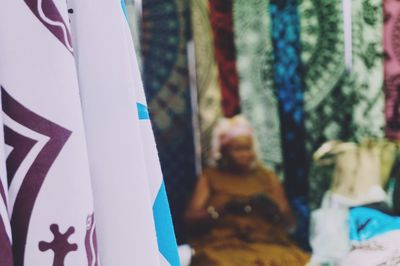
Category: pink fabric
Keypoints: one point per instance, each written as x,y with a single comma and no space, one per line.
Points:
225,130
392,68
236,132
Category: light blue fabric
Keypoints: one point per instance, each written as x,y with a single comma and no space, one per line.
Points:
143,112
165,228
366,223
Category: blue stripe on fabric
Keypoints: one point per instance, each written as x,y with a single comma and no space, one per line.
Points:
124,9
164,228
143,112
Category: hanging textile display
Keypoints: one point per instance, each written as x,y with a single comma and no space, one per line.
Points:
328,97
209,92
341,102
168,95
120,141
222,26
49,185
327,100
367,70
255,67
392,68
286,43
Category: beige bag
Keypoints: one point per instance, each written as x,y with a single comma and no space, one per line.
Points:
361,170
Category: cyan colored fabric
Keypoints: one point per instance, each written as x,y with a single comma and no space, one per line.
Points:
366,223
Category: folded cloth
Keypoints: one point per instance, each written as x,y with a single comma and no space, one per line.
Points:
382,250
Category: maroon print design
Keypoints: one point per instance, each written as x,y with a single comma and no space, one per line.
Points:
91,241
47,12
37,172
6,258
3,195
22,145
60,245
221,15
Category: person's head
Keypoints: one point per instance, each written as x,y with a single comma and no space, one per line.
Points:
232,143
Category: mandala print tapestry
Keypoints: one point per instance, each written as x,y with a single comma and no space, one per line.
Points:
392,68
168,95
339,104
222,26
286,43
209,92
255,67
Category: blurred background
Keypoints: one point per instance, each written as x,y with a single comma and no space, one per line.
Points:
303,72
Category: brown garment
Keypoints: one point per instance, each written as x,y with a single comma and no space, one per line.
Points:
245,239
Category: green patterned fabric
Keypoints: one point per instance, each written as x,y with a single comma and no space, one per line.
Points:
340,104
209,92
368,68
255,67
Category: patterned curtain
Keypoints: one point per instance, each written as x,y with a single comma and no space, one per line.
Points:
167,90
209,93
222,25
288,82
255,67
392,68
339,103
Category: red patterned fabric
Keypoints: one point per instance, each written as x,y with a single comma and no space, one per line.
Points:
392,68
222,26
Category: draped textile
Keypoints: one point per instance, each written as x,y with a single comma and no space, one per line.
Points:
255,67
368,110
222,26
340,103
328,86
49,183
209,92
286,43
392,68
168,95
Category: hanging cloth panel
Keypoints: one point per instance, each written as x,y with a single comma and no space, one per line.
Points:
209,93
255,67
286,41
340,104
222,25
168,95
392,68
367,70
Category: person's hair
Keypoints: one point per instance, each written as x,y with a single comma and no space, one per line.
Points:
225,130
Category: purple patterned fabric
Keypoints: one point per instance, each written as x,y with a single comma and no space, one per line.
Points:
36,174
47,12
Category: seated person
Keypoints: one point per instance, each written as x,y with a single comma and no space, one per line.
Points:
239,215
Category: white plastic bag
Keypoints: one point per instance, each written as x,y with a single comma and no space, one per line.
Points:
329,232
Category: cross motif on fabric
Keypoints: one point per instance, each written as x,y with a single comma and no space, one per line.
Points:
60,245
